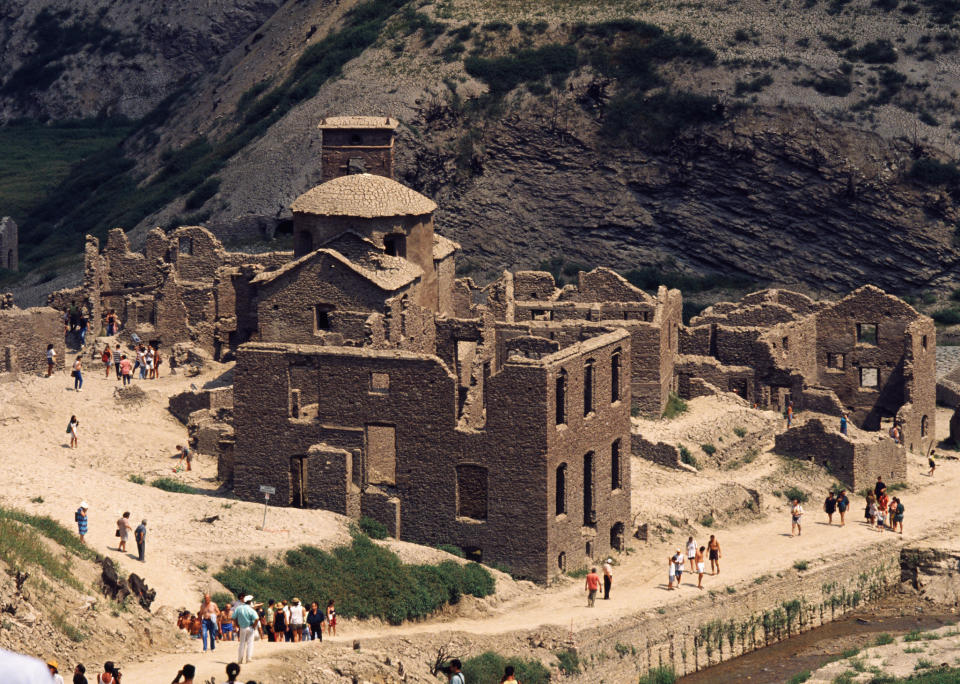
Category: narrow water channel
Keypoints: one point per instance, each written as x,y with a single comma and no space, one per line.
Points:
810,650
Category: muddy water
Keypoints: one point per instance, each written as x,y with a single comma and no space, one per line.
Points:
808,651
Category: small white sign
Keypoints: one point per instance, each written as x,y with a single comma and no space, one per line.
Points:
267,489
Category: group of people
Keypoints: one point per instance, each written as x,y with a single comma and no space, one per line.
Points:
696,556
147,359
881,511
110,675
124,527
276,621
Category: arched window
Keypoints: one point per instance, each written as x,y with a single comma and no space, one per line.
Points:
561,397
923,426
615,377
588,387
561,489
616,480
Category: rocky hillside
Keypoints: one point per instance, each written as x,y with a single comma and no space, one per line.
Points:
804,142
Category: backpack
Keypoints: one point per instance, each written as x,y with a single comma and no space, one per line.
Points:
69,424
106,355
76,515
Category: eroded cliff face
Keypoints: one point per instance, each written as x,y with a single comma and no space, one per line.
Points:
771,194
65,59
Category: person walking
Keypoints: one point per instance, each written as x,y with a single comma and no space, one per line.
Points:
796,513
280,622
225,623
208,622
789,413
591,585
691,552
699,559
331,618
84,323
149,358
315,620
81,519
124,527
140,536
73,427
843,503
77,374
932,462
297,614
678,561
671,573
713,550
897,515
870,510
117,360
51,359
843,423
107,359
157,360
126,369
607,578
246,618
830,506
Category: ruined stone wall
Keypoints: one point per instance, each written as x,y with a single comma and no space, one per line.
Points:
533,286
195,252
24,336
606,285
918,416
659,453
737,379
446,275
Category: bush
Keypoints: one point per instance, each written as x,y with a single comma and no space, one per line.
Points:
675,406
137,479
454,550
800,677
707,521
752,86
487,668
687,457
659,675
948,316
883,639
932,172
740,432
791,493
802,565
832,86
503,74
222,598
569,662
708,449
656,120
876,52
366,580
373,528
168,484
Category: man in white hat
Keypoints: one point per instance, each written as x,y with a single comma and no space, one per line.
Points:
246,618
607,578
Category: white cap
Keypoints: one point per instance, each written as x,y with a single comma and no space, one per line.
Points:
248,598
83,504
609,560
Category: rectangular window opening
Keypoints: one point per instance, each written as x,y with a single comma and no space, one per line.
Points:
185,246
867,333
472,492
321,318
869,377
837,361
616,481
379,382
588,388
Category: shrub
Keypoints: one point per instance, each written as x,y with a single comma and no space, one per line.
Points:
791,493
37,500
503,74
659,675
137,479
883,639
367,580
802,565
707,521
754,85
947,316
740,432
708,449
932,172
569,661
687,457
222,598
832,86
489,666
635,118
373,528
168,484
800,677
454,550
850,652
675,406
876,52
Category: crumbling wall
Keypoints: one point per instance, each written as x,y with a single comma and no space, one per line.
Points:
660,453
24,336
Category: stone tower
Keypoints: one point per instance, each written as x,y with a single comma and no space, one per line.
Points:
9,256
357,144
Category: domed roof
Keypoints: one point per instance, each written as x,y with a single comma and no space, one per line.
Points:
363,195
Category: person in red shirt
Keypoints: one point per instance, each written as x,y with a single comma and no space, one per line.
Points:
592,585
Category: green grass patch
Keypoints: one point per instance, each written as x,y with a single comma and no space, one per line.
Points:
168,484
687,457
802,565
365,579
569,661
489,667
222,598
373,528
850,653
454,550
791,493
800,677
22,546
675,406
883,639
659,675
137,479
708,449
740,432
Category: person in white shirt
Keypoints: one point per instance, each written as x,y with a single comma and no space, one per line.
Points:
796,513
691,552
297,614
21,669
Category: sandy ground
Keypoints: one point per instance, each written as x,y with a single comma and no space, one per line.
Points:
118,440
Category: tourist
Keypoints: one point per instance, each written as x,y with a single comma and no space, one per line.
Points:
81,519
233,671
331,619
77,374
509,675
157,360
315,620
882,503
246,618
185,457
22,669
79,674
789,413
185,675
843,423
53,666
209,612
897,515
268,617
691,552
297,615
226,623
107,358
124,527
699,559
125,369
713,550
117,360
879,486
109,674
592,585
455,676
830,506
607,578
73,427
51,359
871,511
140,536
138,359
280,622
931,461
150,367
678,561
843,503
84,323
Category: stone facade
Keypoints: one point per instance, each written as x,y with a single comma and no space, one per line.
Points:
357,144
9,244
24,336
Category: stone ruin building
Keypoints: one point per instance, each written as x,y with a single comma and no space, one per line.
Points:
9,244
371,381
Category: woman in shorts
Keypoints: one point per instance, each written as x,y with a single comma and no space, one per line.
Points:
796,514
897,515
671,573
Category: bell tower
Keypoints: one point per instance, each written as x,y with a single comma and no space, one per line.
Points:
357,144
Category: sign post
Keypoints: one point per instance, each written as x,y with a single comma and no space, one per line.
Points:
267,491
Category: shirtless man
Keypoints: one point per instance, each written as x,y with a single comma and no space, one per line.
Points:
208,614
713,549
699,560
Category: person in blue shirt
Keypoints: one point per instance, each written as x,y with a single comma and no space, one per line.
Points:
246,618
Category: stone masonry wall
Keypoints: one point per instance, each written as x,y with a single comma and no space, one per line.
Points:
24,336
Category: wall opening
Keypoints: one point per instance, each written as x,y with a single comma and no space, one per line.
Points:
395,245
837,361
589,549
356,165
321,317
561,397
356,139
379,383
302,243
616,536
562,562
589,514
185,246
867,333
616,479
923,426
615,377
786,343
381,450
869,377
473,553
561,489
298,481
588,388
472,492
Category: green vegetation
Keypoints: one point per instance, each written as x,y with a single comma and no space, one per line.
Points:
137,479
946,316
850,652
930,172
754,85
791,493
659,675
923,664
366,579
708,449
487,668
876,52
675,406
569,662
649,278
222,598
802,565
373,528
800,677
740,432
454,550
168,484
707,521
883,639
503,74
832,86
687,457
37,499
